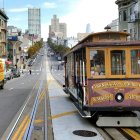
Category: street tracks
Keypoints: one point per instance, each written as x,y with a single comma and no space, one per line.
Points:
23,126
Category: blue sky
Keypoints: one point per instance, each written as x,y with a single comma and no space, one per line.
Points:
75,13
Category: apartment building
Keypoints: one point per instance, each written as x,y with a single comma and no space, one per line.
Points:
3,34
129,17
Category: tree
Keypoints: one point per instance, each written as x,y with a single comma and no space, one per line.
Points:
34,49
58,49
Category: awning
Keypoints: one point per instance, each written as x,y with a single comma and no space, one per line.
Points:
8,62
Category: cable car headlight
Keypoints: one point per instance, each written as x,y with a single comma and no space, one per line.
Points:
119,97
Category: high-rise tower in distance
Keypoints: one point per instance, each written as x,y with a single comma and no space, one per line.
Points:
57,28
34,21
88,28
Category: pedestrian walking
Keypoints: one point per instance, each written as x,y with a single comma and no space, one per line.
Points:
30,71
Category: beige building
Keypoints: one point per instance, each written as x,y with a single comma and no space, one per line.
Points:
63,29
54,24
81,36
3,34
56,27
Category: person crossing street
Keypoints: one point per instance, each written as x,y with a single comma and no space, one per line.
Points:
30,71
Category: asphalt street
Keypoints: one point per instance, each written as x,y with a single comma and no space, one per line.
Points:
15,93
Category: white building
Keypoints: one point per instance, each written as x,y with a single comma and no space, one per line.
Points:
71,42
14,31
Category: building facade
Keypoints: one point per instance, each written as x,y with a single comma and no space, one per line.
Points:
63,29
54,24
129,17
81,36
3,34
34,21
57,27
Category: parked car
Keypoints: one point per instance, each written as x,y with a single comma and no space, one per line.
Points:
9,74
30,62
16,72
59,58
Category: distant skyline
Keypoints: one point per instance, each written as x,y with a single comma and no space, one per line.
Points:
75,13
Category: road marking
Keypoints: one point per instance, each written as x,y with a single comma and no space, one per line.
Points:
41,96
25,118
132,133
63,114
20,128
11,88
23,130
38,121
52,97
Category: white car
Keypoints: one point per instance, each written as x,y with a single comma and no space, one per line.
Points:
9,74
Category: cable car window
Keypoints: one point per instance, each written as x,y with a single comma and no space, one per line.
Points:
97,62
118,62
135,62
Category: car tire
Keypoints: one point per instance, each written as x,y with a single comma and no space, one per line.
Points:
2,86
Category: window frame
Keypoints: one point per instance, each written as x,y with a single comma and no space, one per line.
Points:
108,65
126,61
130,74
88,62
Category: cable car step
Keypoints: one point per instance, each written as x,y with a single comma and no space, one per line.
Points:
118,121
84,114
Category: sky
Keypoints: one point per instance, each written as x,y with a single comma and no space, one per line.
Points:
75,13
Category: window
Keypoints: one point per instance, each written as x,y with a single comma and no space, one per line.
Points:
135,62
124,16
130,11
120,16
2,23
97,62
118,62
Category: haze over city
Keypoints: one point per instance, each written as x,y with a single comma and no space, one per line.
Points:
76,14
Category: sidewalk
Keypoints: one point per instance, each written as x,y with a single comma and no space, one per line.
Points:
65,117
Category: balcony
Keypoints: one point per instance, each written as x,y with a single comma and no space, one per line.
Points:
134,18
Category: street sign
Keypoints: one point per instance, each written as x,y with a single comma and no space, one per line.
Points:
12,38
